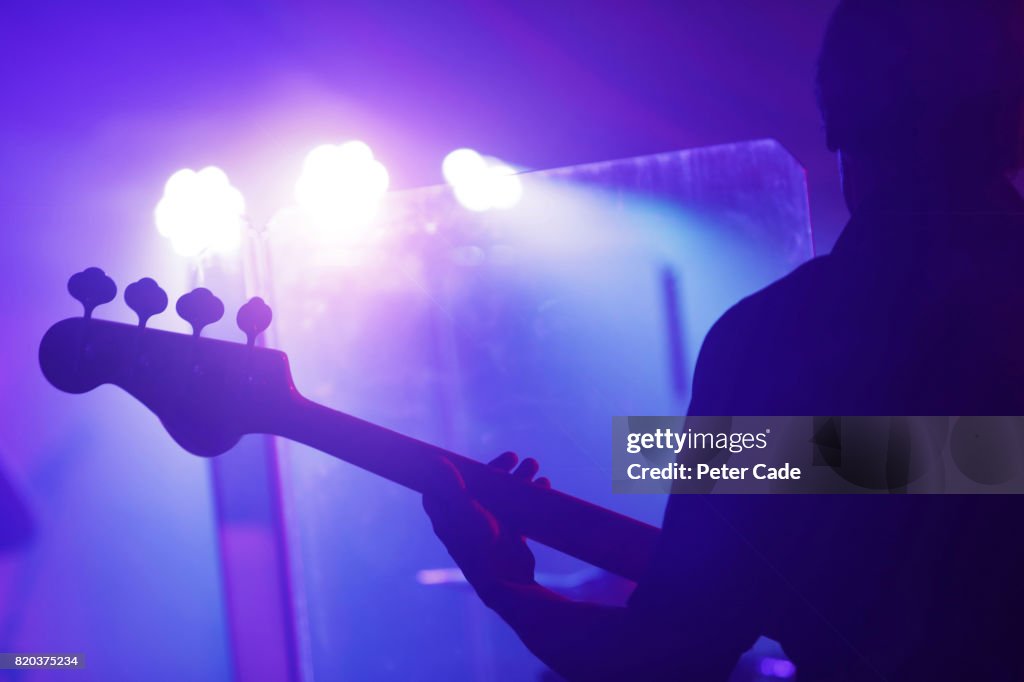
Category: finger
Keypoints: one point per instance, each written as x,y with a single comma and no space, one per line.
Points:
528,469
506,461
543,482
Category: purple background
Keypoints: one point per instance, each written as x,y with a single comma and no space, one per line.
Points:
102,101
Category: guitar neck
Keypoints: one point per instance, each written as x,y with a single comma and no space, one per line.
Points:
600,537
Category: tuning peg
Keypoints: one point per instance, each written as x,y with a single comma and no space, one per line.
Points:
91,287
199,308
253,318
146,298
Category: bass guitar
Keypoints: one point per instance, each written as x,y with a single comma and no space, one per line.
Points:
209,393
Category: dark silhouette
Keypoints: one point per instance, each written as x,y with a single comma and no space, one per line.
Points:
918,310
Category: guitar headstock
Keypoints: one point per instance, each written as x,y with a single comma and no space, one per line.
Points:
207,393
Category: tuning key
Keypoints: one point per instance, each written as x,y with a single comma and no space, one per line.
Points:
199,308
146,298
254,318
91,287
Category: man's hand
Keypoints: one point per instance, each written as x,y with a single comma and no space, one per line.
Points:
578,640
491,555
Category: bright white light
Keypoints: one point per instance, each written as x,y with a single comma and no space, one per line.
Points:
481,184
506,189
201,211
462,165
341,185
356,152
474,193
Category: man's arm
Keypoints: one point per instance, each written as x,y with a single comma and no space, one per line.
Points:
578,640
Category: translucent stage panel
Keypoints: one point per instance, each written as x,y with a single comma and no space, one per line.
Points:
523,329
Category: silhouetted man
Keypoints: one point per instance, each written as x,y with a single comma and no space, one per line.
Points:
918,310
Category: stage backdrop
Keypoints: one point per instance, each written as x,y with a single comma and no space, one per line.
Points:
524,329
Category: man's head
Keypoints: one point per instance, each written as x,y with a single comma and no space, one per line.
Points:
923,91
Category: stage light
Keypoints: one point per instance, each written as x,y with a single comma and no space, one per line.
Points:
480,184
506,189
474,194
462,165
341,185
201,212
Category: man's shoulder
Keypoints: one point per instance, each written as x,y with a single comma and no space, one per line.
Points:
773,308
755,336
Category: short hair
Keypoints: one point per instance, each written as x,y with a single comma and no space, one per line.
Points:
940,78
